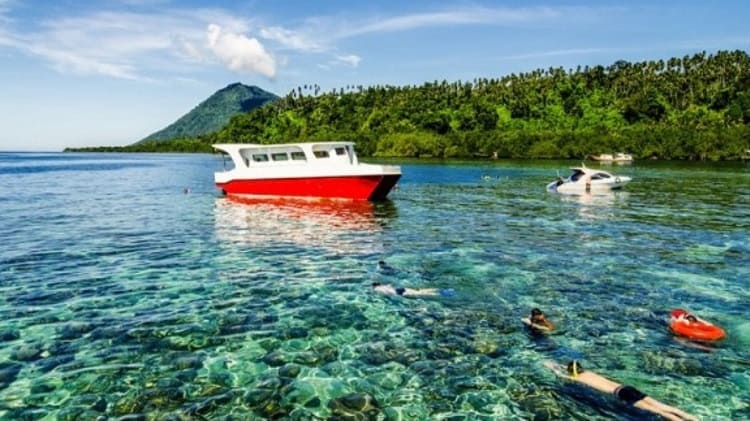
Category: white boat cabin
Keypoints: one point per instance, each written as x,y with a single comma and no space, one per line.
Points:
255,156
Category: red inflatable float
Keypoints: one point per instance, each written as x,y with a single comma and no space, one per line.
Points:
685,324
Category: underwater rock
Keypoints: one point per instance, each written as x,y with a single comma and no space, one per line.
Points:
223,378
74,413
297,394
307,358
75,330
440,353
133,417
269,344
326,352
168,382
107,332
63,348
206,406
187,375
677,363
463,383
48,364
41,297
274,358
426,368
295,333
26,353
263,392
9,335
542,405
8,373
354,405
41,388
163,397
479,401
272,410
90,401
408,357
388,380
187,361
128,404
289,371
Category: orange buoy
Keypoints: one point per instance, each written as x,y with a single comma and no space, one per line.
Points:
685,324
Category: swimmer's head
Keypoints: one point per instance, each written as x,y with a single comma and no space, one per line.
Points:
574,368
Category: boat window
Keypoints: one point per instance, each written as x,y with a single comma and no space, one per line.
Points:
576,175
260,157
280,156
599,176
321,154
298,156
340,151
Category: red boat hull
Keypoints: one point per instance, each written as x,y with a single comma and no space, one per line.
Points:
365,187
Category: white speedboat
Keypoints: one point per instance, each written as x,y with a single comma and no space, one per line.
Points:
320,170
585,180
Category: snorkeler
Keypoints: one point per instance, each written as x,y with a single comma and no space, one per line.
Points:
410,292
537,322
385,268
627,394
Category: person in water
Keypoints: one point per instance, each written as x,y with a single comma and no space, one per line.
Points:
410,292
627,394
537,318
385,268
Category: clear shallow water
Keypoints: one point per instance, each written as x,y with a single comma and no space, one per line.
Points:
121,294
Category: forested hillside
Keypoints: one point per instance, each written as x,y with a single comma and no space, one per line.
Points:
694,107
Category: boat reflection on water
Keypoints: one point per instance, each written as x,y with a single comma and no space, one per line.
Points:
338,225
596,205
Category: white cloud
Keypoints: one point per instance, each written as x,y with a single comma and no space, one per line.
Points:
351,60
239,52
290,39
339,28
65,62
125,44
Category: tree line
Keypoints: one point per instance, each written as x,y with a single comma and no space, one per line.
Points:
693,107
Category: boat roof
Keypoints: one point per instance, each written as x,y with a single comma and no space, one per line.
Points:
584,169
225,146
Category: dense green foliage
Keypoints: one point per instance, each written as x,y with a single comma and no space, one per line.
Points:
214,113
199,144
694,107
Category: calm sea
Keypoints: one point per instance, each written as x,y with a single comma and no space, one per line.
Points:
128,285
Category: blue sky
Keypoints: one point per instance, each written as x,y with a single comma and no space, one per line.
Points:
85,73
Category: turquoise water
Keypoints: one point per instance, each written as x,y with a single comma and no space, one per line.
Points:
121,293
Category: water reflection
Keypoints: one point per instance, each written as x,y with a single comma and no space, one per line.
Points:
596,205
341,225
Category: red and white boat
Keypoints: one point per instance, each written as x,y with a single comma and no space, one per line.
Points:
322,169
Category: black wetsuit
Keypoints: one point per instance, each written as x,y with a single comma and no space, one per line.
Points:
629,394
400,290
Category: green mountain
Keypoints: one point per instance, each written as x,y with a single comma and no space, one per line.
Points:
213,113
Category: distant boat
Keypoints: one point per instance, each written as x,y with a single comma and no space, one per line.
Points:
618,157
320,170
